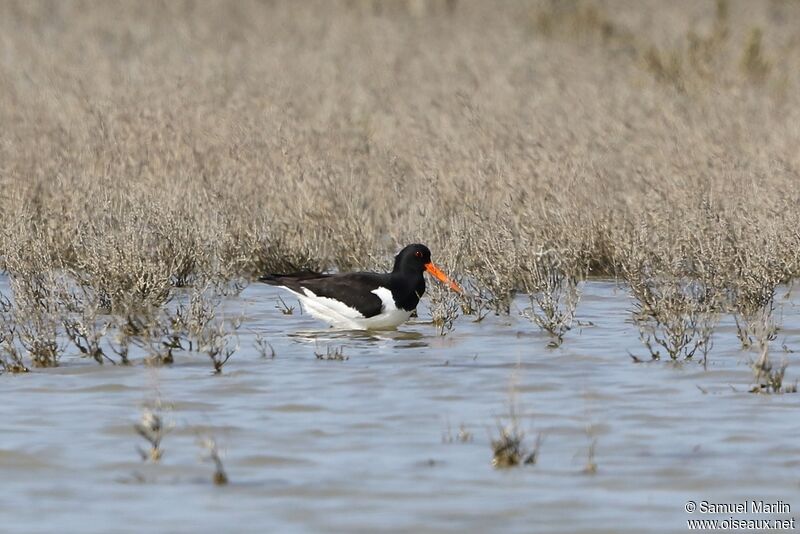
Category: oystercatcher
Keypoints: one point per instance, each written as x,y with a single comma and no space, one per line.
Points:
365,301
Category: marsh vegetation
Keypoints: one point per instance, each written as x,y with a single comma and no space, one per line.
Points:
155,159
531,146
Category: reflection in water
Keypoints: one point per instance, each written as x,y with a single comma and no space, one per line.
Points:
412,345
303,439
333,335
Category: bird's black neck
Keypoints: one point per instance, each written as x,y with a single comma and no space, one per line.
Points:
407,288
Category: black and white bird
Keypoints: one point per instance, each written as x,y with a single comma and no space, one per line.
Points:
365,301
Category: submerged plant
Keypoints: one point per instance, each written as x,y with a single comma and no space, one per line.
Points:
673,315
769,377
86,329
10,357
444,308
332,353
283,307
11,360
151,428
755,322
591,464
508,448
552,285
203,331
213,454
490,264
264,348
159,341
476,301
38,302
215,341
462,436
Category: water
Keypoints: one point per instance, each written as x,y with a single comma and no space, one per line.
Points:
357,445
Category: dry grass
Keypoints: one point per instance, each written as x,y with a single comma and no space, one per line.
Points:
149,147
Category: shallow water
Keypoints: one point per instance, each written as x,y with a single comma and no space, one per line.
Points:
357,445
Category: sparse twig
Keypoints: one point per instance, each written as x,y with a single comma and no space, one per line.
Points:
332,354
262,345
213,454
151,428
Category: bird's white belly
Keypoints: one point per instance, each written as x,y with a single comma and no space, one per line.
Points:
386,320
342,316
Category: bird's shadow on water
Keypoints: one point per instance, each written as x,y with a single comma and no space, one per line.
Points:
402,339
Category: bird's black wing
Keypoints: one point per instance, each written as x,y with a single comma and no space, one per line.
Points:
281,279
353,289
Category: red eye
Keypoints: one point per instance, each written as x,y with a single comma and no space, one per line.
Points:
418,254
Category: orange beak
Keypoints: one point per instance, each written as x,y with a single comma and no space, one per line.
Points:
439,275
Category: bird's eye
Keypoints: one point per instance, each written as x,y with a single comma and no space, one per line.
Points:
418,254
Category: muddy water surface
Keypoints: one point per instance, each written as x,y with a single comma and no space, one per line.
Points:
362,445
